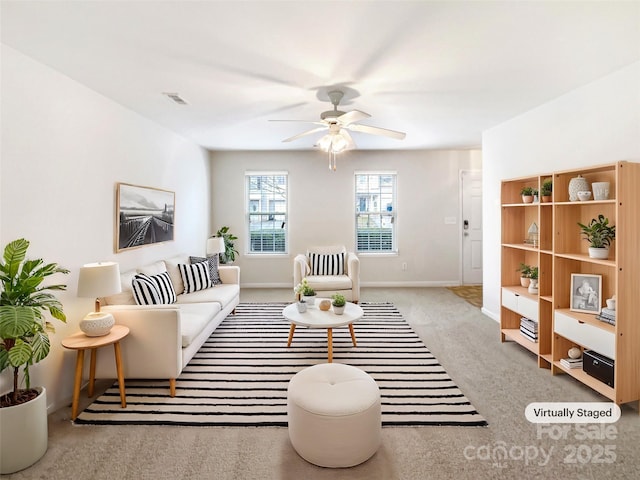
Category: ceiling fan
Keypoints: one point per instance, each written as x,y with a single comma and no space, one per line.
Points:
338,124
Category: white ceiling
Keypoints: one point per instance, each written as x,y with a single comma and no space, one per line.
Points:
441,71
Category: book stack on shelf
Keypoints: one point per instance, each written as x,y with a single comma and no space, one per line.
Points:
529,328
571,362
607,315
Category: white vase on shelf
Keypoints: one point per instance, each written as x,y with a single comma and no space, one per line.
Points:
533,286
577,184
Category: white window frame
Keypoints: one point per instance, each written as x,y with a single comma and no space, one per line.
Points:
248,213
388,215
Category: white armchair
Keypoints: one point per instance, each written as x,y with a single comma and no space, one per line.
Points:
329,270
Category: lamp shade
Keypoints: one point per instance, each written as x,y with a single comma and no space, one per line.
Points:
99,280
215,245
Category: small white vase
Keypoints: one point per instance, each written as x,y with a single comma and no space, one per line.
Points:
600,253
577,184
310,299
533,286
302,306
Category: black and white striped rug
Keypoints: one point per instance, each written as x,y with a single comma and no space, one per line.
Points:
240,375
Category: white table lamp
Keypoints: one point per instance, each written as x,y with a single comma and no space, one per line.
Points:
98,280
215,245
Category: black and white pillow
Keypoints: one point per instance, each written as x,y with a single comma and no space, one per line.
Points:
165,286
214,274
153,289
326,264
195,276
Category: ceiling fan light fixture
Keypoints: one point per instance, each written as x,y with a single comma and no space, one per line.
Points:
333,142
338,143
325,143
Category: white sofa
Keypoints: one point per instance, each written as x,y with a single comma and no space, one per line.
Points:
164,338
347,283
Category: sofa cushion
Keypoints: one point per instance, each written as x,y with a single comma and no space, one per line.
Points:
126,296
153,268
194,317
195,276
212,260
174,272
327,264
329,282
222,294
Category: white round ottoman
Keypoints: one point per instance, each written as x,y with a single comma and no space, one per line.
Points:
334,415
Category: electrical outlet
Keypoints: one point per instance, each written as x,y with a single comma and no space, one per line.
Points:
404,266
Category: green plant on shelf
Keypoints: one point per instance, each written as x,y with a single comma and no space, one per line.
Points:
598,232
525,270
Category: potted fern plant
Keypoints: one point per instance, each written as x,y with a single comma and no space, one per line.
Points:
24,341
599,234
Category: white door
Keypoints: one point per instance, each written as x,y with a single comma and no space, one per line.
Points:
471,202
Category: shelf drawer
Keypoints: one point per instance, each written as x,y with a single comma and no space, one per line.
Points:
586,335
519,304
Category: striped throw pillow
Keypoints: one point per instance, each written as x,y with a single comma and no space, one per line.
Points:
326,264
153,289
145,291
195,276
163,282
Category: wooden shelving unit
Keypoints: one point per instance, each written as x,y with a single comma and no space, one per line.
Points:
560,252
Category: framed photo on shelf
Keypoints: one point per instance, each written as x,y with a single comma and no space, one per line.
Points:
586,293
144,216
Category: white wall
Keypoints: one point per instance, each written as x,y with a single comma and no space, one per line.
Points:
321,211
595,124
64,148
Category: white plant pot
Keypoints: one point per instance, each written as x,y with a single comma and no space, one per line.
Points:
302,307
601,253
338,310
310,300
23,435
533,286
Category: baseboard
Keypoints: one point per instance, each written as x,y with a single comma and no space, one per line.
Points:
490,314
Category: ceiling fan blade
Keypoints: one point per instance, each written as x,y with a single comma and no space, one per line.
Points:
351,117
308,132
377,131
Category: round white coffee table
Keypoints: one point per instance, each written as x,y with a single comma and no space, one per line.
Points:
313,317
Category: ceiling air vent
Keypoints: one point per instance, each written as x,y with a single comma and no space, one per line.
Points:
176,98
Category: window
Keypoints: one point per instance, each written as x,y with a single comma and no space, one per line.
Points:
267,196
375,212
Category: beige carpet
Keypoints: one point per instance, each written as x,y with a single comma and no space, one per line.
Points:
500,379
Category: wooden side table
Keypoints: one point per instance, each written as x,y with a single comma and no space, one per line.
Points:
80,342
